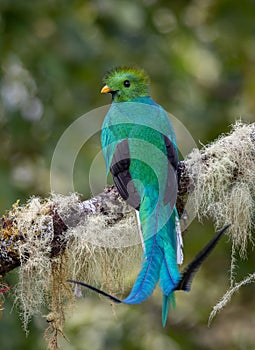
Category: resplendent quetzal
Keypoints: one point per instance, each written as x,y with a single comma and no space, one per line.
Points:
139,148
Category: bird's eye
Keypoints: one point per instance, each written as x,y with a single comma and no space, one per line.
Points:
126,83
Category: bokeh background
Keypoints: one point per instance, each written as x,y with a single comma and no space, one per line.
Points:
200,56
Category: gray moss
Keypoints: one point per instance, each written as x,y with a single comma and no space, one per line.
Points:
224,176
95,252
224,173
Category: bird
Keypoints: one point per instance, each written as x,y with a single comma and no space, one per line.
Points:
140,150
139,147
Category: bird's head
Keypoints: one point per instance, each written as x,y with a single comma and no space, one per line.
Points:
126,84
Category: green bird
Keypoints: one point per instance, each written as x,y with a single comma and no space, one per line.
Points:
139,147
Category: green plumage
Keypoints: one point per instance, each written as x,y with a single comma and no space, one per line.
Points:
139,87
136,118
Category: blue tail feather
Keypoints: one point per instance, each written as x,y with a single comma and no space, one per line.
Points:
149,274
169,273
159,263
169,279
167,302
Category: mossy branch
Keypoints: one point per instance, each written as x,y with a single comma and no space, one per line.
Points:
62,237
59,211
63,212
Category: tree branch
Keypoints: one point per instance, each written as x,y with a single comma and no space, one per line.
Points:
207,167
108,203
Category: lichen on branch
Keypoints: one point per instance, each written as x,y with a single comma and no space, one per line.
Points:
96,240
223,173
61,237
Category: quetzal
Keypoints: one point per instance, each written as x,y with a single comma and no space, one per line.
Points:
140,151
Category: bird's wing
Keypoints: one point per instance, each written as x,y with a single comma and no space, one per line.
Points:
121,175
120,163
172,183
108,146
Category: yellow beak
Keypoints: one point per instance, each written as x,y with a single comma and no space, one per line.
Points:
105,90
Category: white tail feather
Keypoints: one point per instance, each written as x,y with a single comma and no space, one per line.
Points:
179,241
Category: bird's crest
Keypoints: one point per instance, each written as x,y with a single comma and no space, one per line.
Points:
130,70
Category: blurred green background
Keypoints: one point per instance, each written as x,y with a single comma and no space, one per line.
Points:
200,56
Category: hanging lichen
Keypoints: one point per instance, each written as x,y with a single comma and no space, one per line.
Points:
224,176
29,233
